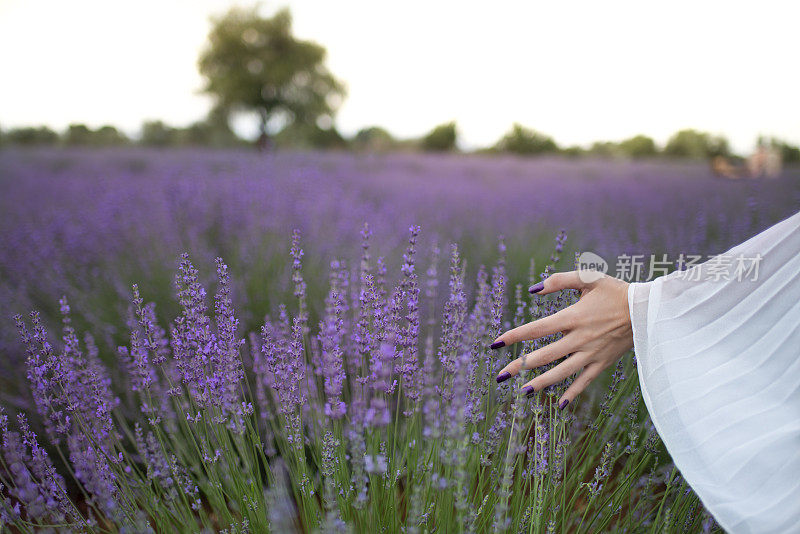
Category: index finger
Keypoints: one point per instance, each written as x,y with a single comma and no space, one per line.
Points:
563,280
558,322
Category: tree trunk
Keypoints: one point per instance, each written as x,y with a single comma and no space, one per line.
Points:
264,143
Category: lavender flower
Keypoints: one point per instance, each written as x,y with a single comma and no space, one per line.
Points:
228,360
408,292
297,278
37,485
331,336
455,312
177,445
601,473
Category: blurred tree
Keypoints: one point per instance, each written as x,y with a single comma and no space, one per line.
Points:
196,134
304,136
789,153
373,138
32,136
156,133
2,136
77,134
521,140
108,135
213,131
573,151
639,146
605,149
218,123
82,135
327,138
441,139
696,145
253,63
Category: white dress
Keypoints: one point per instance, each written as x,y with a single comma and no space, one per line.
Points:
719,368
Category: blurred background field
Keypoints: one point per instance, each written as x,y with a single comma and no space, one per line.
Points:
86,224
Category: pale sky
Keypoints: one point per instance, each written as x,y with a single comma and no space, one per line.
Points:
578,70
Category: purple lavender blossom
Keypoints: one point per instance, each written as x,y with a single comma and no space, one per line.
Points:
37,485
297,278
228,359
331,336
328,400
407,296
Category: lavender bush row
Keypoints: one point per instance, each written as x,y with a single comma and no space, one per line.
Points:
88,224
382,417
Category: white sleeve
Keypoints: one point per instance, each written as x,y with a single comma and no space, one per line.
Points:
719,369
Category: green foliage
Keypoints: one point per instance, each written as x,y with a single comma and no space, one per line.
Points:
639,146
156,133
32,136
197,134
373,138
604,149
310,136
441,139
789,153
693,144
255,64
204,133
82,135
522,140
213,131
573,151
77,134
108,136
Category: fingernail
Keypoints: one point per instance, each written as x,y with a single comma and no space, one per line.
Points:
536,288
529,391
563,403
497,345
502,377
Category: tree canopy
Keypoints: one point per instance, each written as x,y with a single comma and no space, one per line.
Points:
441,139
82,135
638,146
252,63
30,135
373,138
522,140
696,145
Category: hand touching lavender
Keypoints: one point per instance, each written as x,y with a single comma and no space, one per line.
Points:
597,332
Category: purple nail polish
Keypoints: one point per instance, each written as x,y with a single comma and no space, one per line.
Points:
563,403
497,345
502,377
529,391
536,288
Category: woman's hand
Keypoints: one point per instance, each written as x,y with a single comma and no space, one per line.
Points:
597,332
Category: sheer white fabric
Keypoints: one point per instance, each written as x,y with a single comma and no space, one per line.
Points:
719,369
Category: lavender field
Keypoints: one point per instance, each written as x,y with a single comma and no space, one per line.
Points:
242,342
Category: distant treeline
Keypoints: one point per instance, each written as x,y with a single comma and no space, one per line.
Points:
214,132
